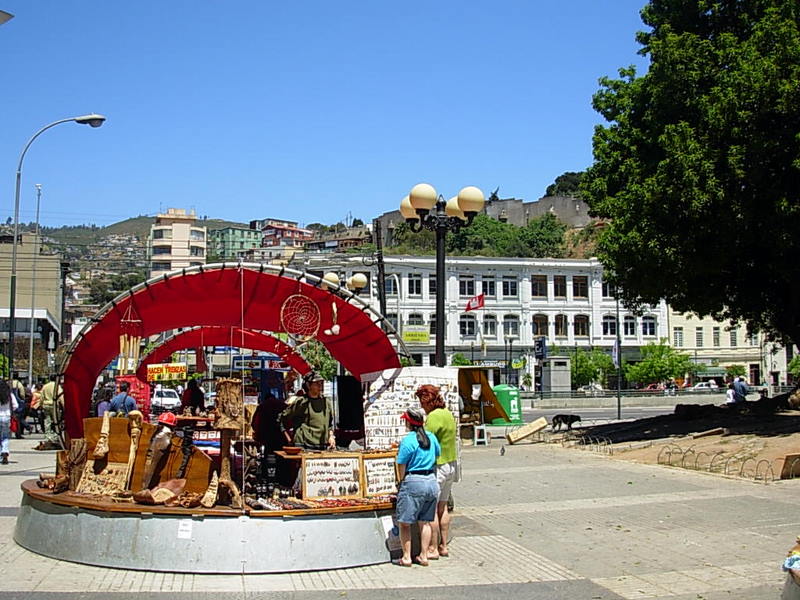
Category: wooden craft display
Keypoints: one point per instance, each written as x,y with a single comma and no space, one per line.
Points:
230,404
380,474
332,475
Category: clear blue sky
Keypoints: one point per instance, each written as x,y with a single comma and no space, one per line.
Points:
304,110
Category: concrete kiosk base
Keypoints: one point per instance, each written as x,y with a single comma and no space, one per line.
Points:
197,543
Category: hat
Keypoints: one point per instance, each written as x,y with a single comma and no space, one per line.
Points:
313,376
168,418
414,416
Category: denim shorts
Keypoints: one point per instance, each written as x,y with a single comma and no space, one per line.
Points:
416,500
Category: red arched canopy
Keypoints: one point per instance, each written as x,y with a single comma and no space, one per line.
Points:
223,336
226,296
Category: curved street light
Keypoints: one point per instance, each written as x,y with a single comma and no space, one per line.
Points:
93,120
422,209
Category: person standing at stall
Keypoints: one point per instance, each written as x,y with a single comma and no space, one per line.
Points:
418,491
311,415
442,424
193,397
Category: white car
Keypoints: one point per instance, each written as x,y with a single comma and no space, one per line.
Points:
166,399
705,386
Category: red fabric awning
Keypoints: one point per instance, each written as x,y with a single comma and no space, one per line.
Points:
223,296
223,336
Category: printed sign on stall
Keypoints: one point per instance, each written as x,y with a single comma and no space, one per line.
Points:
166,371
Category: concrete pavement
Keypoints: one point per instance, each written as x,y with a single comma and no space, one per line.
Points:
538,522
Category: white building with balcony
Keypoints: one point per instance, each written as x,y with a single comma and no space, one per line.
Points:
563,300
175,242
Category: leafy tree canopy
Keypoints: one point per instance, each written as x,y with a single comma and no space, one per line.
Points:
319,358
541,237
590,366
459,360
566,184
698,170
103,290
660,362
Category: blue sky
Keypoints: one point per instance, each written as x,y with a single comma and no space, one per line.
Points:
307,110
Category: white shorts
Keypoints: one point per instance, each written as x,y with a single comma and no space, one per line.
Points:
446,476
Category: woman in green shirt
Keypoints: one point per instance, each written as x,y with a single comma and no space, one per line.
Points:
442,424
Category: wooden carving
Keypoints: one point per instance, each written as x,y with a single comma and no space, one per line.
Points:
230,405
101,449
210,497
135,421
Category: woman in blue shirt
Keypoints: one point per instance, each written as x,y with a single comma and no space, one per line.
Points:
419,490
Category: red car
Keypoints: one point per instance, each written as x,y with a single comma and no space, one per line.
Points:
653,387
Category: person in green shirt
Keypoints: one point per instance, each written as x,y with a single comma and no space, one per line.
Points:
311,415
442,424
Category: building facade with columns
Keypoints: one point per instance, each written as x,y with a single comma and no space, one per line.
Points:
563,300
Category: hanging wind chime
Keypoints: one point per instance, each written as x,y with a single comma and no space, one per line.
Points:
129,339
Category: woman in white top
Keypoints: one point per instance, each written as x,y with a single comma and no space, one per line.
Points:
730,395
8,405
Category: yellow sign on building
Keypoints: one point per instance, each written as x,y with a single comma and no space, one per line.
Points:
416,335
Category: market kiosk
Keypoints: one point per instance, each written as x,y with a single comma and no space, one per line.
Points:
130,494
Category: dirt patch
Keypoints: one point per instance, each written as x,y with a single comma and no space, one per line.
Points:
751,445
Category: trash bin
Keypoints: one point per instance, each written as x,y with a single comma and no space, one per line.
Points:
508,397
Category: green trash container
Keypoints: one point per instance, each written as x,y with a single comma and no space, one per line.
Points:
508,397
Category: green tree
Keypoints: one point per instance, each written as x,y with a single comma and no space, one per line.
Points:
357,223
590,366
794,367
459,360
660,362
566,184
320,359
698,170
732,371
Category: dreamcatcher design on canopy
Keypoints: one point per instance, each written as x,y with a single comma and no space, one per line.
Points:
129,339
300,318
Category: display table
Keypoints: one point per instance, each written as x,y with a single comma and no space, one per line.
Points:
218,540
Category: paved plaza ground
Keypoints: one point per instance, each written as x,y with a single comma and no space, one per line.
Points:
539,522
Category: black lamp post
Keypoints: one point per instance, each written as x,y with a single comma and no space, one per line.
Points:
422,209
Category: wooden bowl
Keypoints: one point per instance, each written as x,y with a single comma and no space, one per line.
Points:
292,449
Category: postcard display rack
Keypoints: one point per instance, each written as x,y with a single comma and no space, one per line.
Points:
392,393
347,475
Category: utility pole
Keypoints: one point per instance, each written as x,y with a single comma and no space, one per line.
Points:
376,226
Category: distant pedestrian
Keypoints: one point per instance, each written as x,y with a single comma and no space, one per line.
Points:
730,395
123,403
51,394
8,404
104,403
741,389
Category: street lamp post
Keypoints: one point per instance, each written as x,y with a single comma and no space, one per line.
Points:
93,120
36,247
424,208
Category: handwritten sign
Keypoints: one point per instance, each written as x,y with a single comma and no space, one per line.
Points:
332,476
380,475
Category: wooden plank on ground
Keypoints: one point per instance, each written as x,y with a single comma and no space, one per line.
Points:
526,430
707,432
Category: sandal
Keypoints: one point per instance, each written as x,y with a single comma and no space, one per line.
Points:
398,562
420,562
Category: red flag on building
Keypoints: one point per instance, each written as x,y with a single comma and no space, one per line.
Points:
474,303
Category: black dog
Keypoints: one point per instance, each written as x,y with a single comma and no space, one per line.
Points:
567,420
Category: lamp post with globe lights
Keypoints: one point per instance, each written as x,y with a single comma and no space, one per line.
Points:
424,208
93,120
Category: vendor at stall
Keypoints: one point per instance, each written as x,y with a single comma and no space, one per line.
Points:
311,415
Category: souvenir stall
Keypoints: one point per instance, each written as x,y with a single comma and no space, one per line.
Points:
124,483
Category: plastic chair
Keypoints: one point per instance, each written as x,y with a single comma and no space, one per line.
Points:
481,436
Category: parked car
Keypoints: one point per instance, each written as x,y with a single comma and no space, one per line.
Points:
165,399
704,387
591,389
653,387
